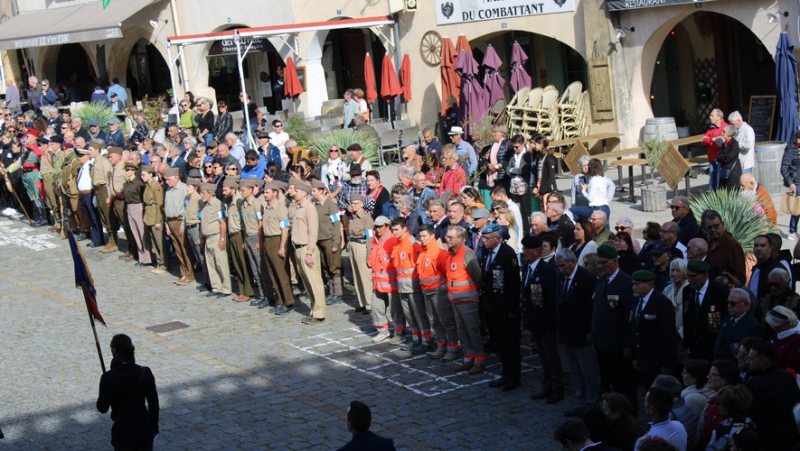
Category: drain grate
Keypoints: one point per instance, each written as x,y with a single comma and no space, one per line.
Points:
167,327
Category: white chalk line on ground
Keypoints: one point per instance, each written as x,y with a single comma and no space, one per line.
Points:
24,236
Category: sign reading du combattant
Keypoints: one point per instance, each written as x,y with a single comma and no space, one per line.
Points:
460,11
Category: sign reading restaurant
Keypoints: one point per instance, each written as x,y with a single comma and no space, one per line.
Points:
460,11
622,5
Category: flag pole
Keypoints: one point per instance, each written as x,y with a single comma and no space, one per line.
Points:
94,331
6,175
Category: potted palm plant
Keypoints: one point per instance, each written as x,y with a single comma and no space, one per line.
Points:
654,196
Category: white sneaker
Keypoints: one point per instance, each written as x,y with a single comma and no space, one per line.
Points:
792,237
382,335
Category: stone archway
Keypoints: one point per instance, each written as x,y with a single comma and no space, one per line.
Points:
121,50
47,63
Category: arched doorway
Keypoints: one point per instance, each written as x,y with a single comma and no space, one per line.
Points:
260,72
74,71
147,72
708,61
343,60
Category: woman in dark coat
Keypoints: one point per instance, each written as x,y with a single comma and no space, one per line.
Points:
549,166
790,171
730,168
519,173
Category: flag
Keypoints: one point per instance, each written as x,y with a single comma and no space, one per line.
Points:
105,3
83,280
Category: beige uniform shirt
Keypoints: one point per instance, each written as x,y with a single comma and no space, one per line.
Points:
233,212
194,203
117,178
329,222
305,227
251,214
273,217
101,171
359,224
211,215
174,201
46,163
153,200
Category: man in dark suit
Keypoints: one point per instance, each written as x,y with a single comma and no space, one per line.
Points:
612,301
359,419
740,324
651,335
576,287
705,310
538,296
765,263
500,300
683,216
125,388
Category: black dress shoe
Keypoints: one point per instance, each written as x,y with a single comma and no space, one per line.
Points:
360,309
283,309
542,395
554,398
263,304
255,301
498,382
511,385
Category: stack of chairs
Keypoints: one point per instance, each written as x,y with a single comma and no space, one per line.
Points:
572,113
514,110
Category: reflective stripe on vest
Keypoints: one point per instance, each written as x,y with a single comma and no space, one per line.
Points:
460,286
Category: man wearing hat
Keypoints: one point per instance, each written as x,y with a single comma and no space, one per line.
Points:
661,256
705,309
385,299
175,214
134,209
480,217
101,172
251,209
117,104
275,231
267,149
153,218
576,287
539,304
214,229
233,204
305,230
359,236
31,181
330,240
355,184
191,225
354,151
46,172
454,177
96,133
465,151
651,337
86,197
117,213
613,299
115,136
500,299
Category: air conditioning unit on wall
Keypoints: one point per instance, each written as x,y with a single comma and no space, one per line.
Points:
411,5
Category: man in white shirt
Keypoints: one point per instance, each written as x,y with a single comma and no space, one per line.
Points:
657,405
746,137
86,198
236,148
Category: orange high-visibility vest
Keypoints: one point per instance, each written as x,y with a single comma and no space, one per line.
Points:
404,256
460,286
384,275
431,266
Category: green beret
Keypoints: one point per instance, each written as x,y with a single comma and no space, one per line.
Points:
607,251
643,275
698,266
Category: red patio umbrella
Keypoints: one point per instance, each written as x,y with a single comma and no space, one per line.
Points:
450,79
462,44
390,85
292,87
405,77
369,79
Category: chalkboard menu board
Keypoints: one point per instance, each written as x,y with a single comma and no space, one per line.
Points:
762,113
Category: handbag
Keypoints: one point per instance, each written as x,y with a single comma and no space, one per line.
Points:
518,186
790,204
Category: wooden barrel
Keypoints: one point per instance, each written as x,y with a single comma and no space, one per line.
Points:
661,127
768,166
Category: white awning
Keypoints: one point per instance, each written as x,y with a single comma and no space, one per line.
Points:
277,30
68,25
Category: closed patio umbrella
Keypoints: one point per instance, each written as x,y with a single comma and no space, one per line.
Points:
473,104
390,85
450,79
519,76
493,81
786,84
292,87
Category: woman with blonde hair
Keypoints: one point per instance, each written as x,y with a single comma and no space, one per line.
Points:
363,108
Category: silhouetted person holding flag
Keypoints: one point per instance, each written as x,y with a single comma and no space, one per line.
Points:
125,388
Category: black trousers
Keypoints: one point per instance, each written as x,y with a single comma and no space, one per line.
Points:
506,333
93,216
617,374
553,374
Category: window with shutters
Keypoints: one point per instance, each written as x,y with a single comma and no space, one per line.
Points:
600,82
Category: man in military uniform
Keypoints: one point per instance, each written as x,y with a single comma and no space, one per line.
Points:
215,233
329,241
116,201
101,178
175,212
69,185
191,225
134,210
705,306
613,299
86,198
251,209
46,173
233,203
305,229
30,178
275,236
500,297
360,239
153,218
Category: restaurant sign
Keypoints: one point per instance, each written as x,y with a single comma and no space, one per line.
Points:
460,11
228,46
622,5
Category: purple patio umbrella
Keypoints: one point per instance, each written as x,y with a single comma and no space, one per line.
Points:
473,100
493,81
519,76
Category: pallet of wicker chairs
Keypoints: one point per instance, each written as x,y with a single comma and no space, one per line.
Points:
547,113
571,112
514,111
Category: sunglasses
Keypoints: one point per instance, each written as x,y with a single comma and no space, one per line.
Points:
675,207
773,284
278,126
620,229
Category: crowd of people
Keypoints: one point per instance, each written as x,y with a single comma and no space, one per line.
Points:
468,250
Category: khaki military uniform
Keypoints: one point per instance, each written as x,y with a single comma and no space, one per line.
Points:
174,211
275,228
46,171
235,251
118,214
251,210
102,171
153,200
69,184
360,224
305,229
211,217
191,223
330,237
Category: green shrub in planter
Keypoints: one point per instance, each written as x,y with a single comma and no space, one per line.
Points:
343,138
738,213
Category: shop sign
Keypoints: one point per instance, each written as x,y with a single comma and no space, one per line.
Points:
622,5
62,38
460,11
228,46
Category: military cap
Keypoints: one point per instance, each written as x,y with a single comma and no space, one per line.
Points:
82,151
262,135
148,168
57,139
491,227
532,242
208,187
607,251
32,132
230,182
171,172
131,164
96,145
193,181
643,275
316,184
698,266
659,249
259,182
115,150
43,140
357,198
280,185
302,187
480,213
248,183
